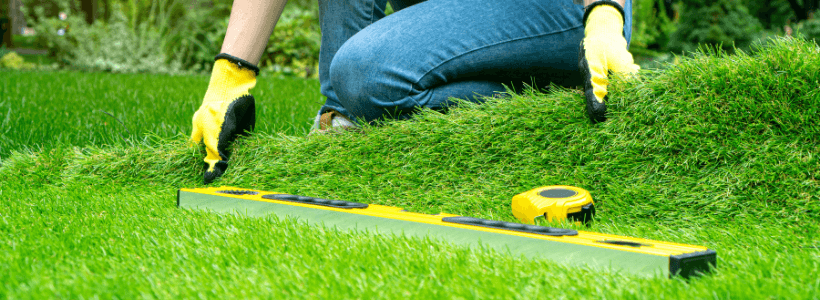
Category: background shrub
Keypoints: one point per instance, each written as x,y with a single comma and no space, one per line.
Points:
772,14
119,46
11,60
809,29
652,24
293,49
725,23
197,37
168,36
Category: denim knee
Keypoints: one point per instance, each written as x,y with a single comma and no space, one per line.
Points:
346,76
363,82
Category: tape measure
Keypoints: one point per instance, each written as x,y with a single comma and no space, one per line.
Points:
554,203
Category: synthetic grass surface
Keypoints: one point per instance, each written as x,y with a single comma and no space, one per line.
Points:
720,151
43,110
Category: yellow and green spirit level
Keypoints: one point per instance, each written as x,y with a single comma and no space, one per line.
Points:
565,246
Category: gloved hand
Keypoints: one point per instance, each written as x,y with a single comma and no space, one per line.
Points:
603,51
227,111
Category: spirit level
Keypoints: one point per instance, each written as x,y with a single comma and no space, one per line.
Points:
564,246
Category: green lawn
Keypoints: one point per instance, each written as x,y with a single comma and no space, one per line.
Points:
719,151
43,110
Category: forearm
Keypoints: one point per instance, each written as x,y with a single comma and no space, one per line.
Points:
250,27
588,2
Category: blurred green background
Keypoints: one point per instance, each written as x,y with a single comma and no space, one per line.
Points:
122,36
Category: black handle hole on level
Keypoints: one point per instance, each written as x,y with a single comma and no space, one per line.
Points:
237,192
624,243
542,230
316,201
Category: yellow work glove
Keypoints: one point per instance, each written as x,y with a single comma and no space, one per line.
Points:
227,111
603,51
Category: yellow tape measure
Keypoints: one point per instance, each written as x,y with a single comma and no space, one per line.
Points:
554,203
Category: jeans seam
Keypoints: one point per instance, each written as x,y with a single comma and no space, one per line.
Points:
410,89
372,12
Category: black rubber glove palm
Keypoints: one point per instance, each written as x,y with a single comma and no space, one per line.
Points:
603,51
227,111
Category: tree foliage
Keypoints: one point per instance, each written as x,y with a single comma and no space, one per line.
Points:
772,14
168,36
293,49
726,23
804,9
652,23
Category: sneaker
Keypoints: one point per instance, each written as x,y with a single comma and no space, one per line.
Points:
329,121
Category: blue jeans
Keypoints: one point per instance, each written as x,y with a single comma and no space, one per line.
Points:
373,67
